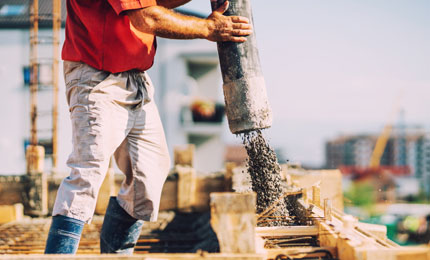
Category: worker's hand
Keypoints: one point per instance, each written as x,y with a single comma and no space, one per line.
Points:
227,28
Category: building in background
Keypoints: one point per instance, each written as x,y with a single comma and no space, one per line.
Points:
406,156
421,160
354,150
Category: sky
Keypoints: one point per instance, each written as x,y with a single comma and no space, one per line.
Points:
340,67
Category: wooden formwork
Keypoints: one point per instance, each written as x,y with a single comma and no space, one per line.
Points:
339,236
357,241
195,256
327,233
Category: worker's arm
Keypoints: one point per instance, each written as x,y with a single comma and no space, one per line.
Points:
171,3
163,22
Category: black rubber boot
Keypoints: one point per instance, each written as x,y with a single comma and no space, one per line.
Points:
120,231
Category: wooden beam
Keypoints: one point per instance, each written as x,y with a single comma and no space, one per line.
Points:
316,195
151,256
203,187
287,231
184,155
233,220
228,176
10,213
186,187
401,253
35,158
327,210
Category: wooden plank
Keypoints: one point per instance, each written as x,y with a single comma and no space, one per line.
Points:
401,253
327,210
186,187
197,256
184,155
233,220
228,176
413,253
35,158
346,249
204,186
10,213
379,231
316,195
169,197
327,236
377,239
287,231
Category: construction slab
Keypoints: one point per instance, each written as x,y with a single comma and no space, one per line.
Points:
196,256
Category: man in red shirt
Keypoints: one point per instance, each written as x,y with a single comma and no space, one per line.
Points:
109,45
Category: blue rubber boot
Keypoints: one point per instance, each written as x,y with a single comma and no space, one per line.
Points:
64,235
120,231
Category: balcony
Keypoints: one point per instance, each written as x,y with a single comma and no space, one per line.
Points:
202,118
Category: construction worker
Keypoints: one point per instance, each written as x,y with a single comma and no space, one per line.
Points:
108,47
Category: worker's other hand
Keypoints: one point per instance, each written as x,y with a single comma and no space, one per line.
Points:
227,28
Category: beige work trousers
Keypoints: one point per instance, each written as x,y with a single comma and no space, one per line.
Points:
112,114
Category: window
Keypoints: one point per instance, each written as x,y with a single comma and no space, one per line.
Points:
12,10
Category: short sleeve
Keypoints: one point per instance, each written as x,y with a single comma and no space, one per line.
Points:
123,5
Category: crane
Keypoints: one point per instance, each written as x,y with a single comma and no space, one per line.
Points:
374,166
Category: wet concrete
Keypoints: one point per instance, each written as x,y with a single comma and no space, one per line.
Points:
265,173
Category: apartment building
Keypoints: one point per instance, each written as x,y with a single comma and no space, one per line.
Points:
405,149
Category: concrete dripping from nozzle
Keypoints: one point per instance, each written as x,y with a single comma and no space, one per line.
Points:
247,106
248,112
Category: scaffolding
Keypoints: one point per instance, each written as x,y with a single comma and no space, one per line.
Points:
37,63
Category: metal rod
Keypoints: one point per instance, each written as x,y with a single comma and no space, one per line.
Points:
34,77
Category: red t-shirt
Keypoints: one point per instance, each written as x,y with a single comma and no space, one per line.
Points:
98,33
